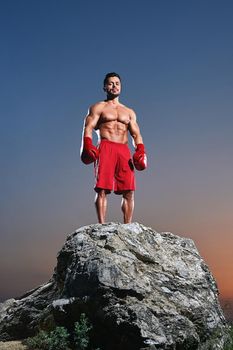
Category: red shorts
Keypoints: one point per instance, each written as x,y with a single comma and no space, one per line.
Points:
114,168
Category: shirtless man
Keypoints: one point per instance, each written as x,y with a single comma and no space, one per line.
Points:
113,162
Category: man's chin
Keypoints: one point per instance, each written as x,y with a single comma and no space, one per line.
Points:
112,96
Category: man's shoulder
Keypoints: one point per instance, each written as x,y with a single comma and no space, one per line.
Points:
129,110
97,105
127,107
96,108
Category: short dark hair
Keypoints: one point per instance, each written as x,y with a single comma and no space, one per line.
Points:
110,75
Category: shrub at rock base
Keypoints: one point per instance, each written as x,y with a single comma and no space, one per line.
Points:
58,339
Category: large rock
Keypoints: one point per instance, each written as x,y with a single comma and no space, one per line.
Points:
139,288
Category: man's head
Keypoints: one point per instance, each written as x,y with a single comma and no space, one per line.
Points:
112,84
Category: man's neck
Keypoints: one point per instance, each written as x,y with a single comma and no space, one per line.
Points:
112,99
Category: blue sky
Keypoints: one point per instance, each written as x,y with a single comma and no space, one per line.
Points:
175,59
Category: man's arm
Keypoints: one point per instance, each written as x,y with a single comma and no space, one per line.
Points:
139,157
91,120
89,153
134,129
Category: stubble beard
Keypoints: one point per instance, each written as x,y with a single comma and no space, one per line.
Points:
111,96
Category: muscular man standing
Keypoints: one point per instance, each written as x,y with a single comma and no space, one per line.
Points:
113,162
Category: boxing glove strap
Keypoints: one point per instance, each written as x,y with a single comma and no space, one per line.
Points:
140,147
87,142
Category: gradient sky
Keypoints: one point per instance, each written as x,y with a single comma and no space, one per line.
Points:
176,63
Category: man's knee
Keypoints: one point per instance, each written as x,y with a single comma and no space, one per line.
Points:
101,193
128,195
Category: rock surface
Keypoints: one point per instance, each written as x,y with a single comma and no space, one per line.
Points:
139,288
12,345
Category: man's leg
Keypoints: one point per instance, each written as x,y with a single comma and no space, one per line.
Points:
101,205
127,206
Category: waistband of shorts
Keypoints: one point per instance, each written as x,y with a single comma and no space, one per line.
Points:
114,143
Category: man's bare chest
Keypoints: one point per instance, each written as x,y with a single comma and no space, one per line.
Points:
118,114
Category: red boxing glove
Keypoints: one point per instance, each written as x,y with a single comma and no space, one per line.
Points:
90,153
140,158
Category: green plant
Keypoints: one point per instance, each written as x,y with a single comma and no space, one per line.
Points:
58,339
55,340
81,332
229,346
39,341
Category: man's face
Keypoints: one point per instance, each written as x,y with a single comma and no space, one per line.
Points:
113,87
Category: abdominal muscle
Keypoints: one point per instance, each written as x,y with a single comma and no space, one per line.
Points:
114,131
